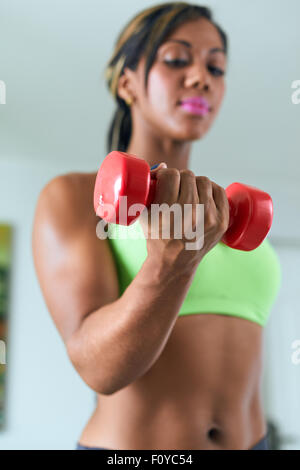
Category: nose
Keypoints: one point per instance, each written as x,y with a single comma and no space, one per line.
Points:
197,76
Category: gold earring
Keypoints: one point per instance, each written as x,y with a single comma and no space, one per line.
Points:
129,101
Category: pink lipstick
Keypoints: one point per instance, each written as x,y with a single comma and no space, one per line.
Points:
195,108
196,105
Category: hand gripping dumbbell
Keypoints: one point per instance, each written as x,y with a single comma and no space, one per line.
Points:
122,174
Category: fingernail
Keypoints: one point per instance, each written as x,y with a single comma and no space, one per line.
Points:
154,166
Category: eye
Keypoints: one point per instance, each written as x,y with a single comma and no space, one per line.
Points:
176,63
216,71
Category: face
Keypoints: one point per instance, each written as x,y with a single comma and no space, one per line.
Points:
181,70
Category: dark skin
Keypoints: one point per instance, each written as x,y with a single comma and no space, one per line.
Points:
163,381
162,130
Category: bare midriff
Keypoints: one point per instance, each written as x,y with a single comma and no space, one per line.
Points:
203,392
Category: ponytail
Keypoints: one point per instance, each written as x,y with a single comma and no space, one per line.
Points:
120,129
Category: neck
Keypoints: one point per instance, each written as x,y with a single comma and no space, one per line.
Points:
154,148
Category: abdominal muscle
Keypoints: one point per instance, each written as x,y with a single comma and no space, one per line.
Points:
203,392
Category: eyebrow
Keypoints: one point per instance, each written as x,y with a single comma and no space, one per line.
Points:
188,44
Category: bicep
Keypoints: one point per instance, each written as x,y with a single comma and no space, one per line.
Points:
75,269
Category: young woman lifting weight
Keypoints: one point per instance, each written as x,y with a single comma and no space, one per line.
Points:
169,338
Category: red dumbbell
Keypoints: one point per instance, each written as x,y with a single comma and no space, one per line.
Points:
121,174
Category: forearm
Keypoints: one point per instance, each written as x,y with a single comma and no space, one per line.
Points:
119,342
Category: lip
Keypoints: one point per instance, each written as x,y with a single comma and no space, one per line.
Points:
194,108
196,99
195,105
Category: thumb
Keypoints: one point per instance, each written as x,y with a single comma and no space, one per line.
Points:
157,167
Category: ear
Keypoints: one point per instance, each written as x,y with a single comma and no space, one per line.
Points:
125,85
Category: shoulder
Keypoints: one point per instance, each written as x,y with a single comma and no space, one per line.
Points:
67,200
69,185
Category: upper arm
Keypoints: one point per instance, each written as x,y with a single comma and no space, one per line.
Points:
75,269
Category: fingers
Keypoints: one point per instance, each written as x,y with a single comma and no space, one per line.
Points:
167,186
183,187
205,190
188,191
222,204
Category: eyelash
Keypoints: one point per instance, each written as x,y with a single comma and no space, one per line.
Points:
177,63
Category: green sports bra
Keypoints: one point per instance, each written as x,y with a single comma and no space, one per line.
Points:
227,281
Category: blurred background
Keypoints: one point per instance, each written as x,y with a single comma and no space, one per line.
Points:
54,121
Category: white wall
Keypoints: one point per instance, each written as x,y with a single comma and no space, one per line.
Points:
282,361
52,54
47,402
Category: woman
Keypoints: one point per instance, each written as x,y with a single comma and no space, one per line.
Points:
170,339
